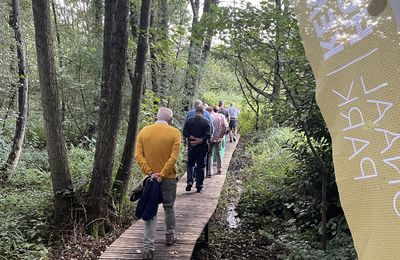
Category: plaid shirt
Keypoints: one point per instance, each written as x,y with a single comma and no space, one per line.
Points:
220,126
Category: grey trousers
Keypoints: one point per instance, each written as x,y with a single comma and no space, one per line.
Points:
168,190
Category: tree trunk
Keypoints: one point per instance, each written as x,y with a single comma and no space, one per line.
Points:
153,54
165,34
60,58
257,114
20,126
277,69
208,34
57,30
97,6
124,170
58,161
277,83
193,58
113,76
133,18
159,23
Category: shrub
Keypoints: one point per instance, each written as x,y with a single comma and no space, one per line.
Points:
282,196
24,209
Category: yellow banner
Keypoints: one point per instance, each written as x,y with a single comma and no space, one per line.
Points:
354,50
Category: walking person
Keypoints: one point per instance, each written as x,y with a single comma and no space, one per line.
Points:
223,110
233,123
220,126
157,150
198,130
206,114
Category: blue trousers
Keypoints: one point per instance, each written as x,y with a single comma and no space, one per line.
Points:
196,162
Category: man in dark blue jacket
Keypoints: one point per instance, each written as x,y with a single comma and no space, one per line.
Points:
198,130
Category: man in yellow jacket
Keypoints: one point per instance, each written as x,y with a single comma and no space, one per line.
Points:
157,150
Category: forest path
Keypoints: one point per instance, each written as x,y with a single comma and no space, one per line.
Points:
193,212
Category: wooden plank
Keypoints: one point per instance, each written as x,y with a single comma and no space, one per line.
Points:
193,212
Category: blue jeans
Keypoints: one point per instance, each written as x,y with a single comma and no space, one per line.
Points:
196,162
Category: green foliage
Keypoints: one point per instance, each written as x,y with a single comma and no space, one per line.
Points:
268,151
8,69
149,108
80,166
8,50
281,195
24,210
35,134
4,149
32,158
218,79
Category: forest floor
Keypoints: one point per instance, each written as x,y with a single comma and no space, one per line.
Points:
79,245
82,247
229,238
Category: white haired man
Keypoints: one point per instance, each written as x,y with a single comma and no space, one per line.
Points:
157,150
233,122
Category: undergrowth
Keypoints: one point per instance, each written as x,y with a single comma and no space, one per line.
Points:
281,198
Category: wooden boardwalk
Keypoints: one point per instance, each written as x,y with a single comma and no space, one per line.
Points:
193,211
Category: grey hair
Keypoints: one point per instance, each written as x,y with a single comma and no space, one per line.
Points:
199,108
164,114
221,103
197,102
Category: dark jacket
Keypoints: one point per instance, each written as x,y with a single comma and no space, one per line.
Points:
198,127
139,188
147,206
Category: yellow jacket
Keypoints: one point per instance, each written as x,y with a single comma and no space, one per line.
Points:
157,149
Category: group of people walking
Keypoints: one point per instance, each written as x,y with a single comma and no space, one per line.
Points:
157,150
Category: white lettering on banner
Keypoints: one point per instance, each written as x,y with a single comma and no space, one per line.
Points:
325,25
362,165
350,118
355,149
362,57
357,21
332,46
395,198
389,141
355,119
378,103
340,29
389,162
347,99
354,18
346,8
373,89
316,5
